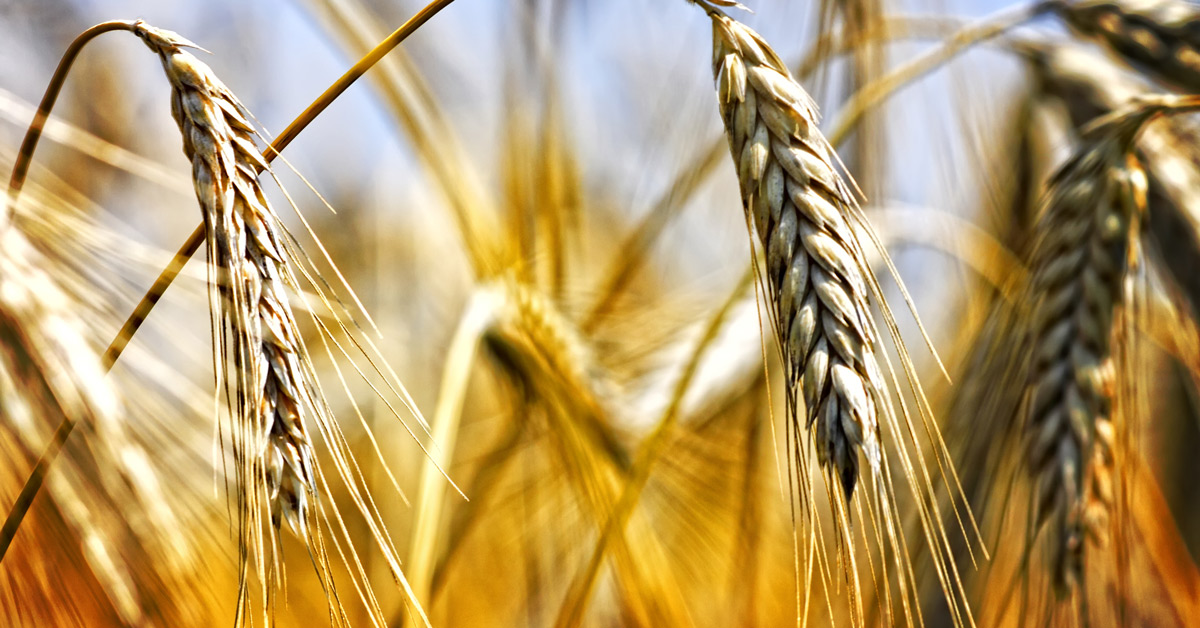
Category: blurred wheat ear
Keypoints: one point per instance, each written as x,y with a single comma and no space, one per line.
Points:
107,507
1160,38
51,369
1080,255
1086,239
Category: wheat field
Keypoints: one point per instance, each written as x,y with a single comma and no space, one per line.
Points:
584,313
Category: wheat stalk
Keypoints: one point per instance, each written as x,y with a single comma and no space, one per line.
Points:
1158,37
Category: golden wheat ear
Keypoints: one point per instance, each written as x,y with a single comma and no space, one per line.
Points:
820,289
245,247
814,273
262,362
1158,38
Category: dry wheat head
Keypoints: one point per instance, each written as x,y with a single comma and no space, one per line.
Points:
1084,240
815,271
272,390
1161,38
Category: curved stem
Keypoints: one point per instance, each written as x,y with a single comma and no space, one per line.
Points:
29,144
452,394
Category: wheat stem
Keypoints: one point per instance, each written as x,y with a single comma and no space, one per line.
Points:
29,144
456,374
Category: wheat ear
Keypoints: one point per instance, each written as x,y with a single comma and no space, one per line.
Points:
1086,238
1159,38
820,289
245,244
262,366
272,386
815,271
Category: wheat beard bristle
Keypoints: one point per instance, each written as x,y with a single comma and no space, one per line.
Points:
815,273
245,244
1078,266
1160,37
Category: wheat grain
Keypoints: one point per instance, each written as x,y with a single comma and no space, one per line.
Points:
1158,37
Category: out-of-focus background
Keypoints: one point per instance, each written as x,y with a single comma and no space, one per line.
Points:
568,155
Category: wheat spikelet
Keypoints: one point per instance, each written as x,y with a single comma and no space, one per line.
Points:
1078,262
1158,37
815,275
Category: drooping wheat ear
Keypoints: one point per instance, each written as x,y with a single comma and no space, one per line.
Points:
1161,38
272,389
1084,240
815,266
821,288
